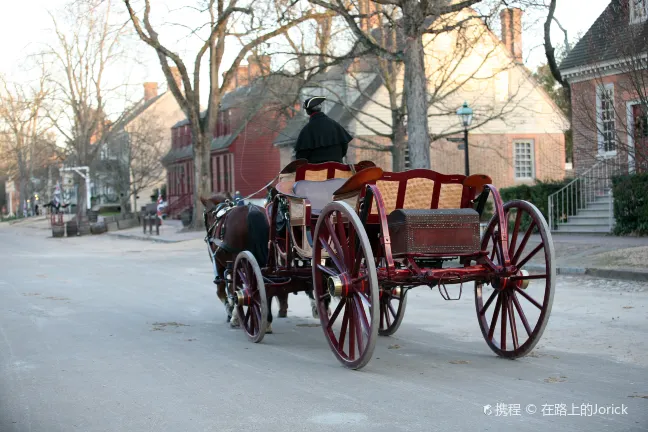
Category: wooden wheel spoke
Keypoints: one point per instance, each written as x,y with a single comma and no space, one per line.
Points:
387,318
531,255
247,316
362,315
382,315
494,318
343,241
327,270
516,228
528,297
488,302
503,323
335,314
524,242
352,330
345,321
336,260
336,241
391,309
516,302
511,315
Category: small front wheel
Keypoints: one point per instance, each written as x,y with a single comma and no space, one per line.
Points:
251,305
393,302
344,271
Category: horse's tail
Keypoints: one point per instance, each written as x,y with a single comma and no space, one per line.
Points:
258,234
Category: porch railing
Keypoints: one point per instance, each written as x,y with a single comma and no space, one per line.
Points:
578,194
178,203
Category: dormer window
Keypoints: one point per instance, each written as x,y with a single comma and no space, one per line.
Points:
638,11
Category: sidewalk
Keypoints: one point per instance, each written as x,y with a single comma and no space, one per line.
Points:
171,231
601,256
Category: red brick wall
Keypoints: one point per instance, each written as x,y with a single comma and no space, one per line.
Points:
489,154
256,160
584,116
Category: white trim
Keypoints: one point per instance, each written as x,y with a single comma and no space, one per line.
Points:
533,160
638,20
606,68
599,122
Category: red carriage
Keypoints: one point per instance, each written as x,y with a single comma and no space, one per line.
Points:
361,238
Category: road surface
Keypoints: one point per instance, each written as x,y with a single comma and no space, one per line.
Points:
105,334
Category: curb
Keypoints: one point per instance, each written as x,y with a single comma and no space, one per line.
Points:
150,239
629,275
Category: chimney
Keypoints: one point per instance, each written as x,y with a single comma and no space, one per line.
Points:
176,76
150,90
258,65
242,76
232,84
512,32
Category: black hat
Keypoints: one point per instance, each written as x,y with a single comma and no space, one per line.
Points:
313,102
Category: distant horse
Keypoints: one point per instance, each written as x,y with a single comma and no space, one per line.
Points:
241,228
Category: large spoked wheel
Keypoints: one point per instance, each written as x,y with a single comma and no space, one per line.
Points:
393,302
344,275
251,302
513,311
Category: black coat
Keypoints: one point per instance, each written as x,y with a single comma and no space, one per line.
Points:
322,140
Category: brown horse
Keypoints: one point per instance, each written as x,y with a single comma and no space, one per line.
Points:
242,228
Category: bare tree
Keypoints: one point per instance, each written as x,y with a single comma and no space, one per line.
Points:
224,18
415,17
88,45
461,60
24,130
130,162
612,118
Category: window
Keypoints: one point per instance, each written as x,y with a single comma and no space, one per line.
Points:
638,11
406,163
523,160
606,120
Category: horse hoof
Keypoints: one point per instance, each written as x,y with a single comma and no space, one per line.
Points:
269,328
283,314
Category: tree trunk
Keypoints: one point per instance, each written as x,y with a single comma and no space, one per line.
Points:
82,207
201,150
416,86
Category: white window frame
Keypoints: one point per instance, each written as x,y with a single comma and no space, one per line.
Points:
533,160
609,89
642,7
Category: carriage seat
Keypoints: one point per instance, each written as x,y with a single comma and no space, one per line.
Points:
318,193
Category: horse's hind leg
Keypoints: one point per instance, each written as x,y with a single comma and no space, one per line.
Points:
269,327
283,305
221,292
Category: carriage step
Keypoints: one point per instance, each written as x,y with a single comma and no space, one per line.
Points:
451,278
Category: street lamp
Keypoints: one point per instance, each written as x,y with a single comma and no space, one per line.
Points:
465,114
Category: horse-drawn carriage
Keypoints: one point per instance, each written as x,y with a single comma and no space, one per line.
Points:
359,238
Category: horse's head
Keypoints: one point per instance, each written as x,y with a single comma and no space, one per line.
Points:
212,203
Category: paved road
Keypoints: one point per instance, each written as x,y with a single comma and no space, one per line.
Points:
104,334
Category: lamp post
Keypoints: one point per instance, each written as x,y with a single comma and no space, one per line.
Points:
465,114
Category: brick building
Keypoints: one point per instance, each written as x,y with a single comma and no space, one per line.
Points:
242,155
607,73
517,135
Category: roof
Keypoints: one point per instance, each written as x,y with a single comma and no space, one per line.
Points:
138,109
262,92
608,38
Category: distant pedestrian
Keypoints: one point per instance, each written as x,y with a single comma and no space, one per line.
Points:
238,199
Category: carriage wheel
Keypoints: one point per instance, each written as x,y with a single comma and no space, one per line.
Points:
251,302
348,278
393,302
513,312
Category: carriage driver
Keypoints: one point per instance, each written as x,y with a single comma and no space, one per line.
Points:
322,139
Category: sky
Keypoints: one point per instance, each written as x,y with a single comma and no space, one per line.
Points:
25,26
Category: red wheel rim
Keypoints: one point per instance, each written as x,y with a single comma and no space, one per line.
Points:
513,311
352,327
252,314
